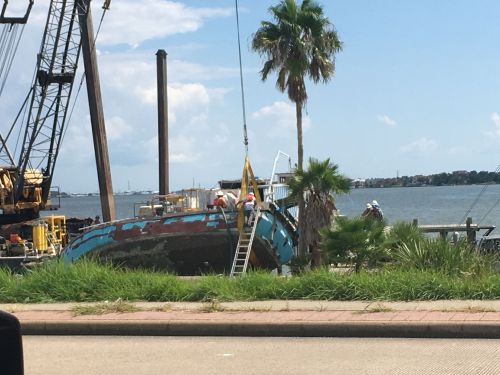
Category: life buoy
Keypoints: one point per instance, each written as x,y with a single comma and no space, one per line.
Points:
26,193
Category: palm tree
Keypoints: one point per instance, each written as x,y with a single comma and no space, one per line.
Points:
301,43
317,184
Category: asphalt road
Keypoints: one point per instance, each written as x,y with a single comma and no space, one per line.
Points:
243,355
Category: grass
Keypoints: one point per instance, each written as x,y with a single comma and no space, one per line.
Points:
89,282
118,306
376,309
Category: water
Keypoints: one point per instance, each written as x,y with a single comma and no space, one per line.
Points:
430,205
84,207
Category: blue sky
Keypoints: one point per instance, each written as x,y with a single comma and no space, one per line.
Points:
416,91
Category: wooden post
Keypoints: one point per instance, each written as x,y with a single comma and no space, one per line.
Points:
96,110
161,71
415,223
471,233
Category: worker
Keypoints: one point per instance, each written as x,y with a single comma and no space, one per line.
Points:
232,200
249,206
219,200
377,211
373,211
368,212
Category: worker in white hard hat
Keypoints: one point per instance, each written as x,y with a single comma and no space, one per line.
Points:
219,200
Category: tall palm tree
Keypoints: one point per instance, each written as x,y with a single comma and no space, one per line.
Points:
301,43
317,184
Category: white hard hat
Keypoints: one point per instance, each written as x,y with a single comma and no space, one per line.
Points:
220,193
375,203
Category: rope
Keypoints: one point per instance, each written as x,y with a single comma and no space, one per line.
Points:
477,200
489,211
245,135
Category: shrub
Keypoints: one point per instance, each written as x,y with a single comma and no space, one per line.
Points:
355,241
401,233
441,255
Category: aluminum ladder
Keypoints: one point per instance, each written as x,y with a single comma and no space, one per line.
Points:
244,247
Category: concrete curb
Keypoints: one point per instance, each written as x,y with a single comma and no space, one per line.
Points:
479,330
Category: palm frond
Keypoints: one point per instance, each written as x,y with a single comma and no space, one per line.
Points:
300,42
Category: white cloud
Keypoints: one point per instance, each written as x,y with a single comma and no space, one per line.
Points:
77,146
280,119
185,70
182,149
188,97
117,128
135,21
495,118
135,74
385,119
421,146
495,133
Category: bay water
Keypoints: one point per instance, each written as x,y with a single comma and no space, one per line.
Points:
429,204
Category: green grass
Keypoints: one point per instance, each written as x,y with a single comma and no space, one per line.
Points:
90,282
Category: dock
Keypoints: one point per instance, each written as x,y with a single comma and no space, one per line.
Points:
469,228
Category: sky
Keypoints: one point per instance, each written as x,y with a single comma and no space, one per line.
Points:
416,91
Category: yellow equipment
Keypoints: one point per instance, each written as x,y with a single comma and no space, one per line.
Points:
40,241
247,180
49,234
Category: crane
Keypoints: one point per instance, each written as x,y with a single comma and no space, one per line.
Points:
25,180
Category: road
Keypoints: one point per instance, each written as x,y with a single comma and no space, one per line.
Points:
244,355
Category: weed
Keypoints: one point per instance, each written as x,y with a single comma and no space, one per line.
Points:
163,308
212,306
376,309
118,306
470,309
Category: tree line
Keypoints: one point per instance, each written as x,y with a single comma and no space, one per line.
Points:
440,179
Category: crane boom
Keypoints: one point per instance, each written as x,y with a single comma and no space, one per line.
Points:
25,187
56,69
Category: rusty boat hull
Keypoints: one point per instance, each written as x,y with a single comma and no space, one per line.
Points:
186,243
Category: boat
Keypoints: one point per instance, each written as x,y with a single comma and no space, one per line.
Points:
183,234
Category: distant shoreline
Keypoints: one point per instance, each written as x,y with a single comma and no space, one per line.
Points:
456,178
419,185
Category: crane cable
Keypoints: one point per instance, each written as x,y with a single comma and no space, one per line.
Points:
8,50
105,8
245,135
477,200
492,207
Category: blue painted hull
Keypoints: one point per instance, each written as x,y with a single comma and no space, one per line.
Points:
185,243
